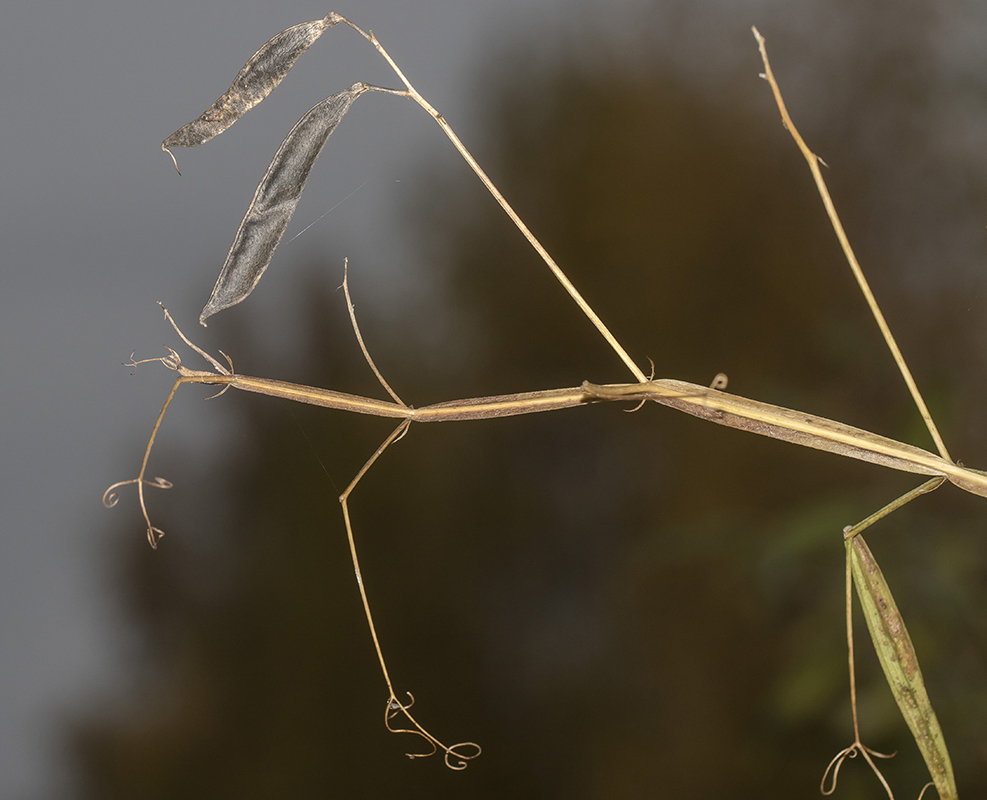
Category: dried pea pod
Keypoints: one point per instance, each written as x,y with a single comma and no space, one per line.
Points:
258,78
900,663
275,200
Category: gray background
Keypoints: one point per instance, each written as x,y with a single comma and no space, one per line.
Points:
96,227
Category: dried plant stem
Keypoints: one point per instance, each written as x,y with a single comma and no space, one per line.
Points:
706,403
832,772
359,336
467,156
710,404
398,432
813,161
241,272
885,623
110,496
457,755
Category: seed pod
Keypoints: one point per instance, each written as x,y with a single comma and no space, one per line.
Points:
258,78
900,663
275,201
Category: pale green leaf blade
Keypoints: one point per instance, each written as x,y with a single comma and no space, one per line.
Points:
900,663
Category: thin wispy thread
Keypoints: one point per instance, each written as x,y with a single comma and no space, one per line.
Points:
358,188
311,446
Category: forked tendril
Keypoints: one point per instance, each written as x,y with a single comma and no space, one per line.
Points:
851,752
455,758
173,362
111,498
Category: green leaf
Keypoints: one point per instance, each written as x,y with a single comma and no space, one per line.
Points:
900,663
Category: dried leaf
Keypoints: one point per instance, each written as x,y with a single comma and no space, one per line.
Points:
258,78
275,201
900,663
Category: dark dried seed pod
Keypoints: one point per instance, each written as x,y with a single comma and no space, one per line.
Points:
275,200
258,78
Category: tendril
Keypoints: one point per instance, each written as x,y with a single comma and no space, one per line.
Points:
457,756
851,752
216,365
924,788
172,361
640,405
111,497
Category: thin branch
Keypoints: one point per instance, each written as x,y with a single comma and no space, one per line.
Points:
359,336
467,156
110,495
455,755
813,160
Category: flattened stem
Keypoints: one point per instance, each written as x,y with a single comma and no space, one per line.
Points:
505,405
797,427
711,405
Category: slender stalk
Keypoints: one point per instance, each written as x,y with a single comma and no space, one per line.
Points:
467,156
110,496
398,432
813,160
457,755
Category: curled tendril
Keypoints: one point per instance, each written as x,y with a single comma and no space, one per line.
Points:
640,405
222,391
455,757
173,362
462,759
851,752
393,706
111,497
153,534
922,793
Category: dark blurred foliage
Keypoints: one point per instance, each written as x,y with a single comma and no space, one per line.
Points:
614,605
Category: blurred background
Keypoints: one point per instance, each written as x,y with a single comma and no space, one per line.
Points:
614,605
